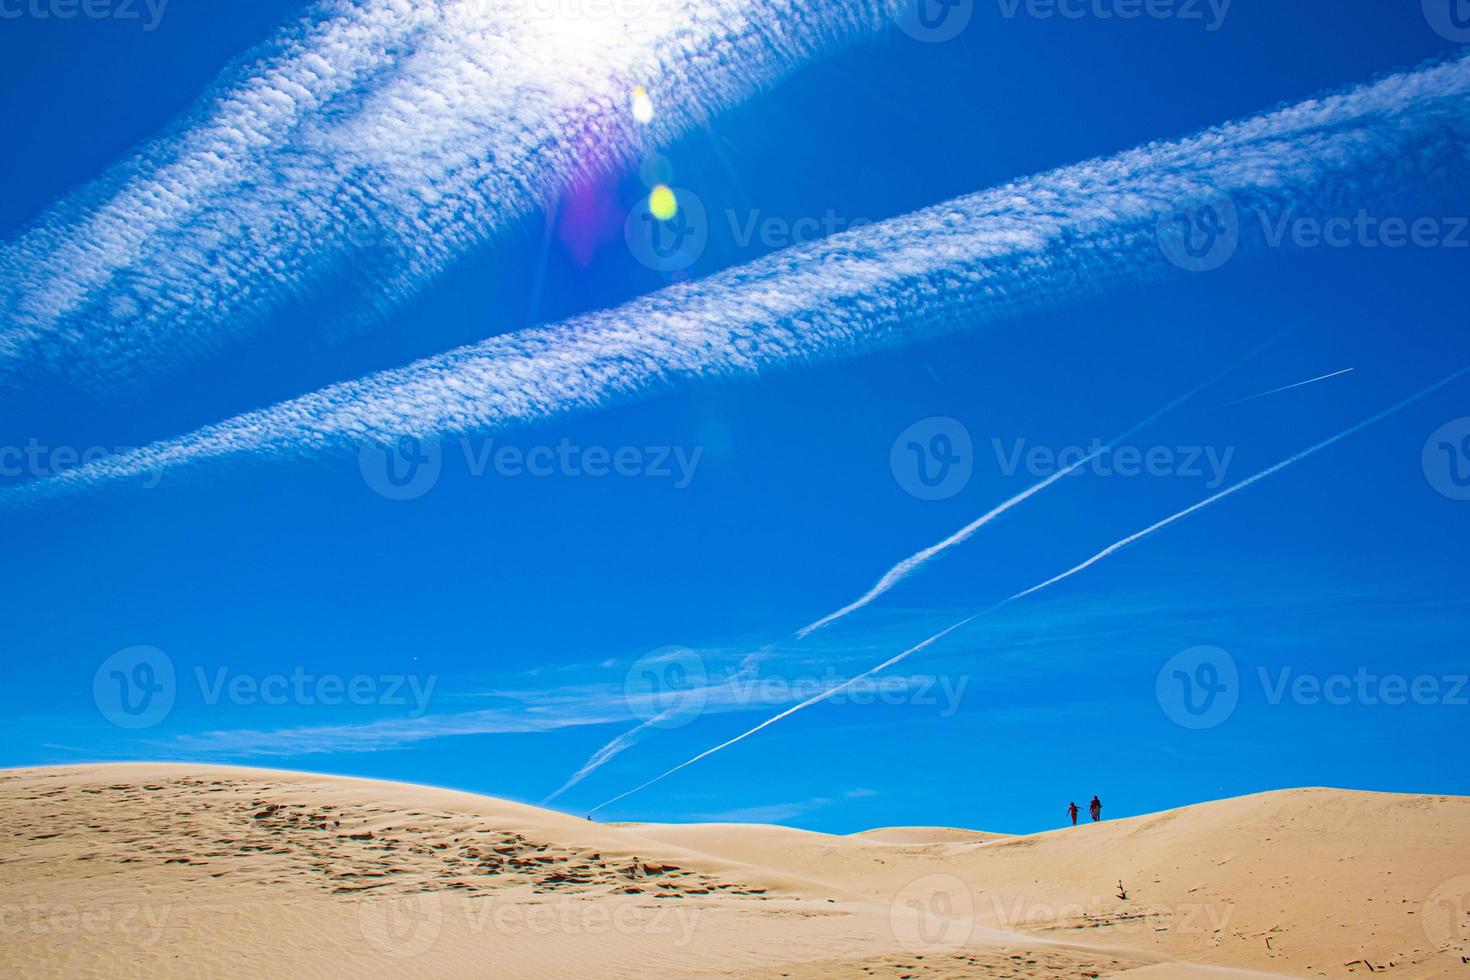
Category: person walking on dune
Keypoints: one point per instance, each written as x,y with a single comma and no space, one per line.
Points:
1095,808
1072,812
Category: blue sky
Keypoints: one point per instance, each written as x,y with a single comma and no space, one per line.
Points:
522,605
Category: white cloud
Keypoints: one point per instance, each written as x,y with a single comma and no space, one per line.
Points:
380,139
379,735
957,266
529,709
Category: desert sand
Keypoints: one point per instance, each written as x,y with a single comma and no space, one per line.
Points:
190,870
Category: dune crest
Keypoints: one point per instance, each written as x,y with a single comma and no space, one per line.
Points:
156,870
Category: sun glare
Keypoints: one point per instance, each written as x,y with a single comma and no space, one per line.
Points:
642,105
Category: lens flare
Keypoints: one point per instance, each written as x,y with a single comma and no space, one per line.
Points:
656,169
662,203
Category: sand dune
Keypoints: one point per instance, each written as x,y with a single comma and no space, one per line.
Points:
924,835
149,870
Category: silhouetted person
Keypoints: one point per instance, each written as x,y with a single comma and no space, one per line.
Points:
1095,808
1072,812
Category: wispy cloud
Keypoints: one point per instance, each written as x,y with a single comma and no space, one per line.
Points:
382,734
549,707
776,812
1028,245
378,140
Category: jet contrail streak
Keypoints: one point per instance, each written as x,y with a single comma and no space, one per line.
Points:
901,570
605,754
1273,391
1109,550
838,688
1027,246
1123,543
914,562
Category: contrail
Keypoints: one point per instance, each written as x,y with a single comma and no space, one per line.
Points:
914,562
795,708
370,145
619,743
1125,542
1109,550
903,569
1274,391
605,754
1027,246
